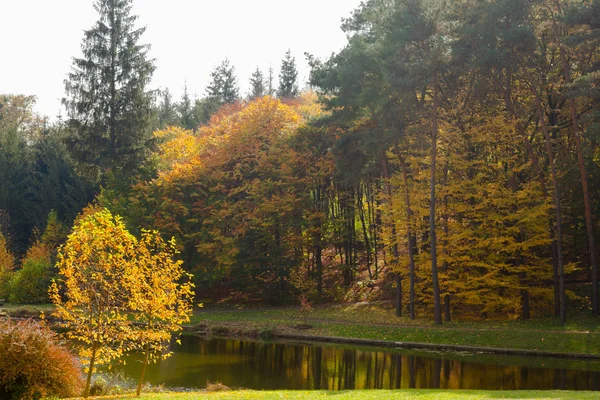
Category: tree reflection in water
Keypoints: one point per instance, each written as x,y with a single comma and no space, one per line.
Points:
264,365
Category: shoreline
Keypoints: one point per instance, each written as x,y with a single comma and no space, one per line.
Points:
225,332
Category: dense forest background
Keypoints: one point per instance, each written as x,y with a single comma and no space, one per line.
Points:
447,158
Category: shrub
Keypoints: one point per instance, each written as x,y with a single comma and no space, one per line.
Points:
34,364
7,261
30,284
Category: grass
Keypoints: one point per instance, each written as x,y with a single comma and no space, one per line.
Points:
377,321
368,395
368,321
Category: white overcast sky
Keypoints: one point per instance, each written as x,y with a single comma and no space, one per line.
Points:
189,38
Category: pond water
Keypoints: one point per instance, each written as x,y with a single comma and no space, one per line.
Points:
269,365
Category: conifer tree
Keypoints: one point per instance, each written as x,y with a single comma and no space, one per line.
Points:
167,114
270,80
257,84
185,109
288,86
108,104
223,86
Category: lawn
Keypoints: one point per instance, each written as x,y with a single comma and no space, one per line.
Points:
376,321
368,395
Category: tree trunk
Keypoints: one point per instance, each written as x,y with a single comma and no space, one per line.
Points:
447,316
395,251
398,295
589,225
557,206
432,234
409,241
88,381
141,381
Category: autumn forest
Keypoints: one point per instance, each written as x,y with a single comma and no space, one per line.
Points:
446,160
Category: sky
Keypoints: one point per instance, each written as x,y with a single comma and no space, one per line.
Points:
188,39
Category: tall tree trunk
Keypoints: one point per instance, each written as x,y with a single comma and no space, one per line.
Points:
361,214
589,225
395,251
538,170
409,241
557,206
447,316
437,309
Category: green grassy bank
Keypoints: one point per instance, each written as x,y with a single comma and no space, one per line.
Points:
367,395
378,321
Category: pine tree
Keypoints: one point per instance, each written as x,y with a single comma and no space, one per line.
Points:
270,80
185,109
288,86
108,104
223,86
167,113
257,84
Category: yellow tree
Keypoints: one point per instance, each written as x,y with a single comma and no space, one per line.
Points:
7,263
159,302
89,296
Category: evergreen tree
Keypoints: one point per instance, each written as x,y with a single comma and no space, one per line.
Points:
288,86
108,104
185,109
270,79
223,86
167,113
257,84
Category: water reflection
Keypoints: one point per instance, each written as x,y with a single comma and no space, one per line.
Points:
260,365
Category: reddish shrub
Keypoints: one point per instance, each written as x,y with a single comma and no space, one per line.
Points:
33,364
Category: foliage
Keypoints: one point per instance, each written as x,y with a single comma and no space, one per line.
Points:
257,85
34,364
30,283
7,264
223,87
288,76
91,299
157,297
107,100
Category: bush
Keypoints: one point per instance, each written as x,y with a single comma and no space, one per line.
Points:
34,364
30,284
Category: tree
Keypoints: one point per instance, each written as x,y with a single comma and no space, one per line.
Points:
7,264
156,297
270,86
107,100
91,299
223,86
288,76
187,111
257,85
167,112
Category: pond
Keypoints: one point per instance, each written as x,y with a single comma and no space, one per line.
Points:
268,365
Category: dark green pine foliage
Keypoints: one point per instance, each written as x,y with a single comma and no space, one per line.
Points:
270,80
108,104
167,111
587,86
257,84
186,110
223,87
288,76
